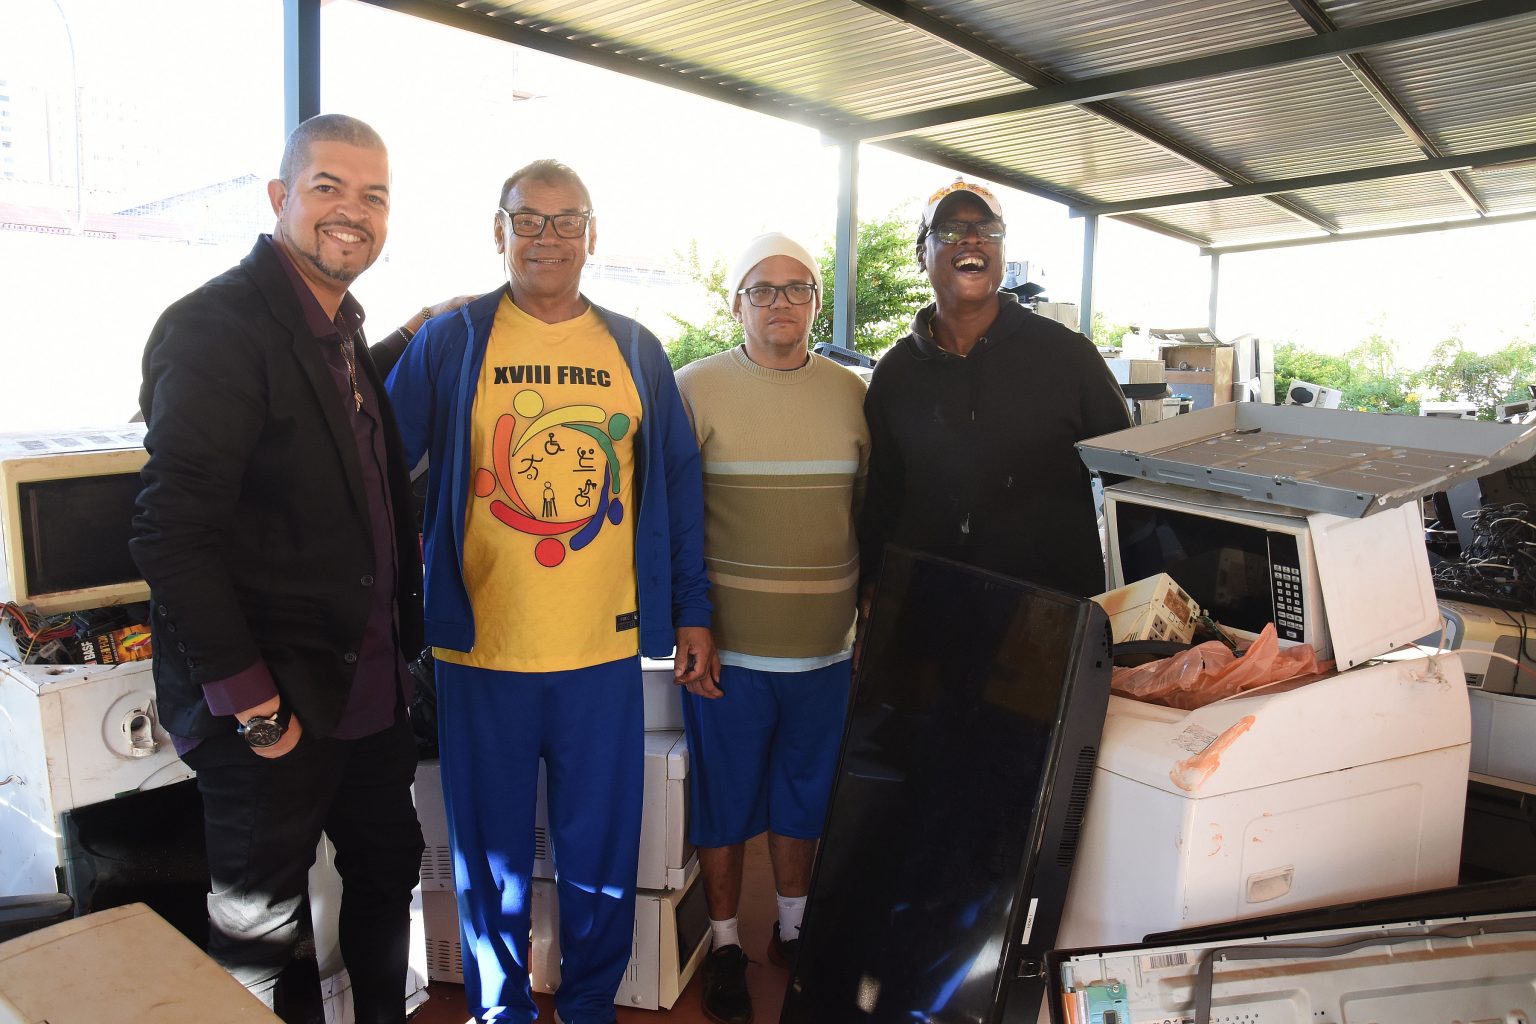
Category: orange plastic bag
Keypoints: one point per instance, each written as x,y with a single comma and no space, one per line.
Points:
1210,671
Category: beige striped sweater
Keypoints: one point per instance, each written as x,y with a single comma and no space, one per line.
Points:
784,455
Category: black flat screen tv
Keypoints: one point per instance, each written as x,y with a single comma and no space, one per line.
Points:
971,742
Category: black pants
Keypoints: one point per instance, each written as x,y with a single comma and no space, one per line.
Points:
263,822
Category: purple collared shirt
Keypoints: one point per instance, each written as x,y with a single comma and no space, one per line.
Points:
381,683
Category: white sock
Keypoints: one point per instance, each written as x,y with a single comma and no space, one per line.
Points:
726,933
791,912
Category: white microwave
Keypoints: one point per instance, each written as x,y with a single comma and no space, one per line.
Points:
1352,588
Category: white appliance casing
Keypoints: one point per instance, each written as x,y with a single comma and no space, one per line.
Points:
657,971
71,735
1346,788
664,847
1504,740
75,735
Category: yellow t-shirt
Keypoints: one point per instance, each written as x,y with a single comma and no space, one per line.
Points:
549,536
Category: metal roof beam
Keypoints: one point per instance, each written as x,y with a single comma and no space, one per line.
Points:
966,42
984,169
1120,118
597,55
1148,224
833,132
1074,202
301,62
1053,92
1371,81
1483,158
1321,21
1411,229
1033,75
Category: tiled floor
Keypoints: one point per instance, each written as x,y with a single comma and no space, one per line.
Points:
765,981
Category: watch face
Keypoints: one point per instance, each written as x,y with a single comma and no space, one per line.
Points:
262,732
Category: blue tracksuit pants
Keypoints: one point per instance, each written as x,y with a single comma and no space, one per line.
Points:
588,725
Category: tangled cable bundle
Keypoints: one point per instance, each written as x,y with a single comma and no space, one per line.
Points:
33,634
1499,566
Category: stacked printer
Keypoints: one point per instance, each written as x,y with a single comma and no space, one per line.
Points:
671,918
1298,795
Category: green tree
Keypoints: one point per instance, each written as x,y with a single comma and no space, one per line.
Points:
719,330
890,289
1108,335
1368,375
1376,382
1484,378
1293,363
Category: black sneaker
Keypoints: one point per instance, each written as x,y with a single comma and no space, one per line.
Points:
783,954
726,1000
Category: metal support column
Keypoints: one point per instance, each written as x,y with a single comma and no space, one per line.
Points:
301,62
846,274
1214,295
1090,253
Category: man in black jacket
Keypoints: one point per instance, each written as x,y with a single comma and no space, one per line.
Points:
973,418
275,532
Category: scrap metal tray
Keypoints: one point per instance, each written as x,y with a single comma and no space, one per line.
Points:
1325,460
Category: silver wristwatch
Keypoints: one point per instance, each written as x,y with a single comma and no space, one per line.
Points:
265,730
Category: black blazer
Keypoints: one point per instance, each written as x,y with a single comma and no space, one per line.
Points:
252,528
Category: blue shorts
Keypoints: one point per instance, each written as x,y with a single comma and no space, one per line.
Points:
762,757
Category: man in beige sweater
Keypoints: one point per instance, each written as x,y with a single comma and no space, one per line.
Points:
784,448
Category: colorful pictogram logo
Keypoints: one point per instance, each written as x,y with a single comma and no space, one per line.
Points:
557,476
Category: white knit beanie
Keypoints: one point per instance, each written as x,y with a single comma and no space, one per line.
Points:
759,249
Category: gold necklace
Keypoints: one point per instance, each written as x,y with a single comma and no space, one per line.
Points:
349,356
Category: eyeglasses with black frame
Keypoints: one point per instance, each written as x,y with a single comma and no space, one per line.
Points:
531,225
952,231
768,294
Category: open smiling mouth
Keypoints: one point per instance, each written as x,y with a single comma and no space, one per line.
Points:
345,235
970,263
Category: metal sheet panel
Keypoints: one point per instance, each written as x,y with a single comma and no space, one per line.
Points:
1420,199
827,55
1471,91
1234,221
1349,13
1083,38
1281,122
1506,189
1074,150
1324,460
840,62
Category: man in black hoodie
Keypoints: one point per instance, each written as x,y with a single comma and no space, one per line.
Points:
974,414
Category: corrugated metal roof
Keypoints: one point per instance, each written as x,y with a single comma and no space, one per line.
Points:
1281,122
1417,200
1473,91
1236,221
1080,38
1073,151
1505,189
1263,96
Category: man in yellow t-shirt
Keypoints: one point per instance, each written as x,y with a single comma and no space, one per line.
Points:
563,537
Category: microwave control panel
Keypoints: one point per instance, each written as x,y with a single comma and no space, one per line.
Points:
1286,587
